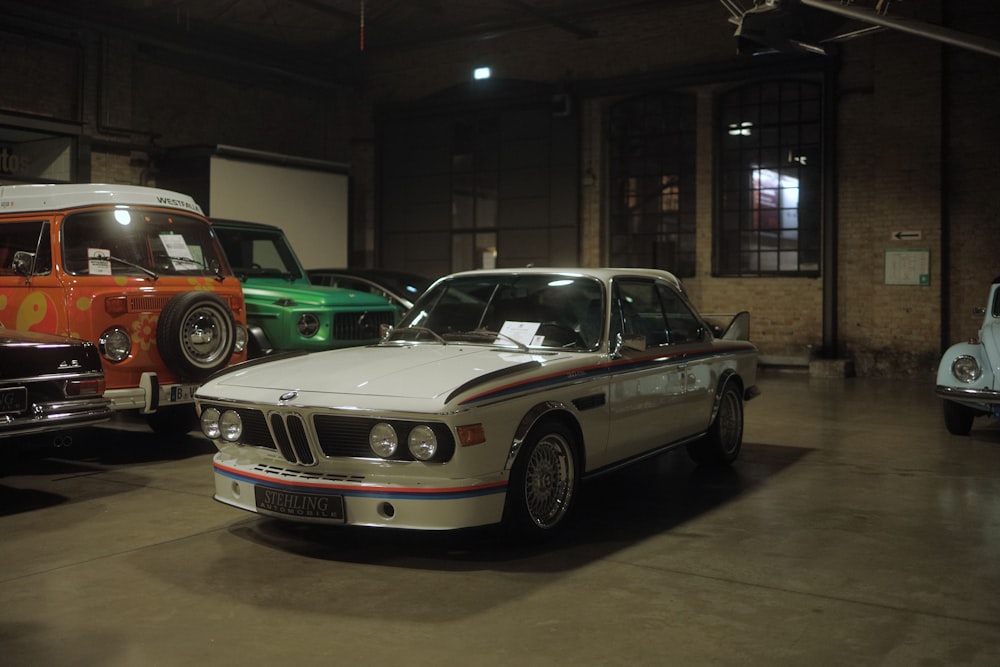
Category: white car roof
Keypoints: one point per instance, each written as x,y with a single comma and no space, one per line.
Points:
603,273
59,196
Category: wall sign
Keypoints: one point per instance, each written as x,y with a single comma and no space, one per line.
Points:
910,266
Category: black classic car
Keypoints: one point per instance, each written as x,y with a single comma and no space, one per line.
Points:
48,383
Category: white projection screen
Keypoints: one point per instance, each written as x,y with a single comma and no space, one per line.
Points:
309,204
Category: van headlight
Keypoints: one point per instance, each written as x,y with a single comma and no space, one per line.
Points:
966,369
241,338
115,344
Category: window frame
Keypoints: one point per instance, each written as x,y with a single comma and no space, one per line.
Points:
801,165
642,225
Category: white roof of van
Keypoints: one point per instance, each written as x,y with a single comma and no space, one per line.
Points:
58,196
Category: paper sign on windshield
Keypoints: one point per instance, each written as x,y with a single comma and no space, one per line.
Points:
98,261
522,332
178,251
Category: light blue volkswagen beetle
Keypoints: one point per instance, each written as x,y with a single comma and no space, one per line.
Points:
968,377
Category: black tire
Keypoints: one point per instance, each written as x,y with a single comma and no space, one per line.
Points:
174,420
544,482
196,334
721,445
958,418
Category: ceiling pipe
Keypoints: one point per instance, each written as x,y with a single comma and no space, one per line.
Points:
928,30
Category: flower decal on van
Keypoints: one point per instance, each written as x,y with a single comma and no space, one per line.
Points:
144,331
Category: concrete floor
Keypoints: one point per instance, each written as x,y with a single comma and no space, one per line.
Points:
853,530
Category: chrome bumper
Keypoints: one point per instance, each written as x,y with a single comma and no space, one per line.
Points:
988,396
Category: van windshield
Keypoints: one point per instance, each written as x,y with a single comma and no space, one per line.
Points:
135,241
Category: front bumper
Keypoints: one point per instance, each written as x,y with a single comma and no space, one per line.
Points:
45,417
963,395
348,499
150,395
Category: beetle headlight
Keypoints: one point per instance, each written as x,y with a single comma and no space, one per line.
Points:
115,344
966,369
307,325
230,426
422,443
383,440
210,423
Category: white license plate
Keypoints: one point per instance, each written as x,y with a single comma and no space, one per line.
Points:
178,393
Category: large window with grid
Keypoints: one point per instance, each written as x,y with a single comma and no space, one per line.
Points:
652,183
769,211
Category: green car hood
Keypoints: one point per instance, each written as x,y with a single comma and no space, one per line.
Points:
270,291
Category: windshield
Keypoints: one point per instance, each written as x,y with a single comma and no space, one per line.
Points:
133,241
529,310
258,253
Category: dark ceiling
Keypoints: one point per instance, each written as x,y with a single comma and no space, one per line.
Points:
291,33
326,41
321,41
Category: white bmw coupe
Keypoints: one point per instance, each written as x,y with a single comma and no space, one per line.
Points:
489,403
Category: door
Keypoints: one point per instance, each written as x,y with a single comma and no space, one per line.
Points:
37,301
647,391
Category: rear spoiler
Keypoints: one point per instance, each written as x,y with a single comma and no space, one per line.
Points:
737,329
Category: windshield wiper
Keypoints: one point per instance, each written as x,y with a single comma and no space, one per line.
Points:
486,333
421,330
214,267
149,272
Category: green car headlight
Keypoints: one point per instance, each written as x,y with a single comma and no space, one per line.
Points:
307,325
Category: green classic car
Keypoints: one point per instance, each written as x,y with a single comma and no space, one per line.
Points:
284,310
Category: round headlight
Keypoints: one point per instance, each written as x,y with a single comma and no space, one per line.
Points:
307,325
241,338
210,423
966,369
115,344
422,442
383,439
230,426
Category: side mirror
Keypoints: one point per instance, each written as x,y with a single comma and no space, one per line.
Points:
24,263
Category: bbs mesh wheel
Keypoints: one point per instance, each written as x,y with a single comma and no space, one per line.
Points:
543,483
196,334
721,445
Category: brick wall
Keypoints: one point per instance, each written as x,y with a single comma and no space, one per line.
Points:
916,146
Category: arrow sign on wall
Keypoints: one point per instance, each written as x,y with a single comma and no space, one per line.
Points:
906,236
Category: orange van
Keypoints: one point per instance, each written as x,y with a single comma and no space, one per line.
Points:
136,270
